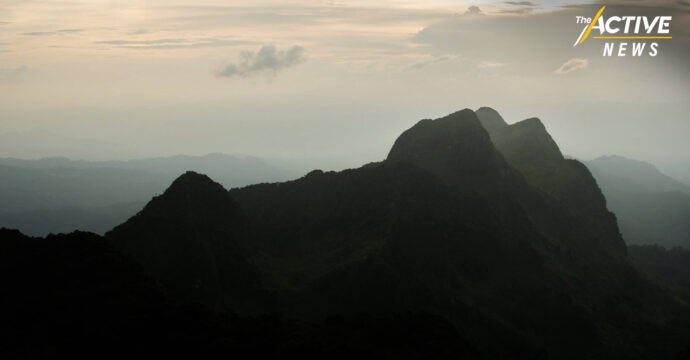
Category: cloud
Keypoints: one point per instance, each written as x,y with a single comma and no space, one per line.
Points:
174,43
56,32
520,3
138,32
572,65
530,41
473,10
443,58
266,59
490,65
142,42
520,11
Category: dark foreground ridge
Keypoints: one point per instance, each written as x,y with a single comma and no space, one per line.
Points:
472,239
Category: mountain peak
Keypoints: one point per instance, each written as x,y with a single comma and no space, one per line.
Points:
533,122
455,147
490,118
191,178
191,196
526,141
186,237
193,187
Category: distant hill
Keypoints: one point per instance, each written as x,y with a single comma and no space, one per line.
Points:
616,173
652,208
229,170
64,220
62,195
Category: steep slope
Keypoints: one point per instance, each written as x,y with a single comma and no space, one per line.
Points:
490,118
671,267
652,208
187,239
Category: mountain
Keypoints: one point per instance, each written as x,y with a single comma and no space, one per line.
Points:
492,230
529,148
187,239
652,208
626,175
228,169
75,294
27,189
97,219
61,195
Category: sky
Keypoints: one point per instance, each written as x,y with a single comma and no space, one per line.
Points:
331,81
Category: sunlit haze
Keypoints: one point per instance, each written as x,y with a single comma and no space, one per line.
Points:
332,81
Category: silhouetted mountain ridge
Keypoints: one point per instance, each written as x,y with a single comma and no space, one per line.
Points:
521,256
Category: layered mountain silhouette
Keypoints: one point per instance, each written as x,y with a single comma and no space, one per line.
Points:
57,194
652,208
529,148
504,247
627,175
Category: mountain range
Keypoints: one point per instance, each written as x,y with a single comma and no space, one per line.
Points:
62,195
476,231
652,208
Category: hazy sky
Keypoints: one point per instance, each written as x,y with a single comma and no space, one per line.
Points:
327,79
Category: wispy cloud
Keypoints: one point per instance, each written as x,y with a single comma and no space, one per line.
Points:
443,58
138,32
173,43
520,3
572,65
142,42
520,11
56,32
267,59
490,65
